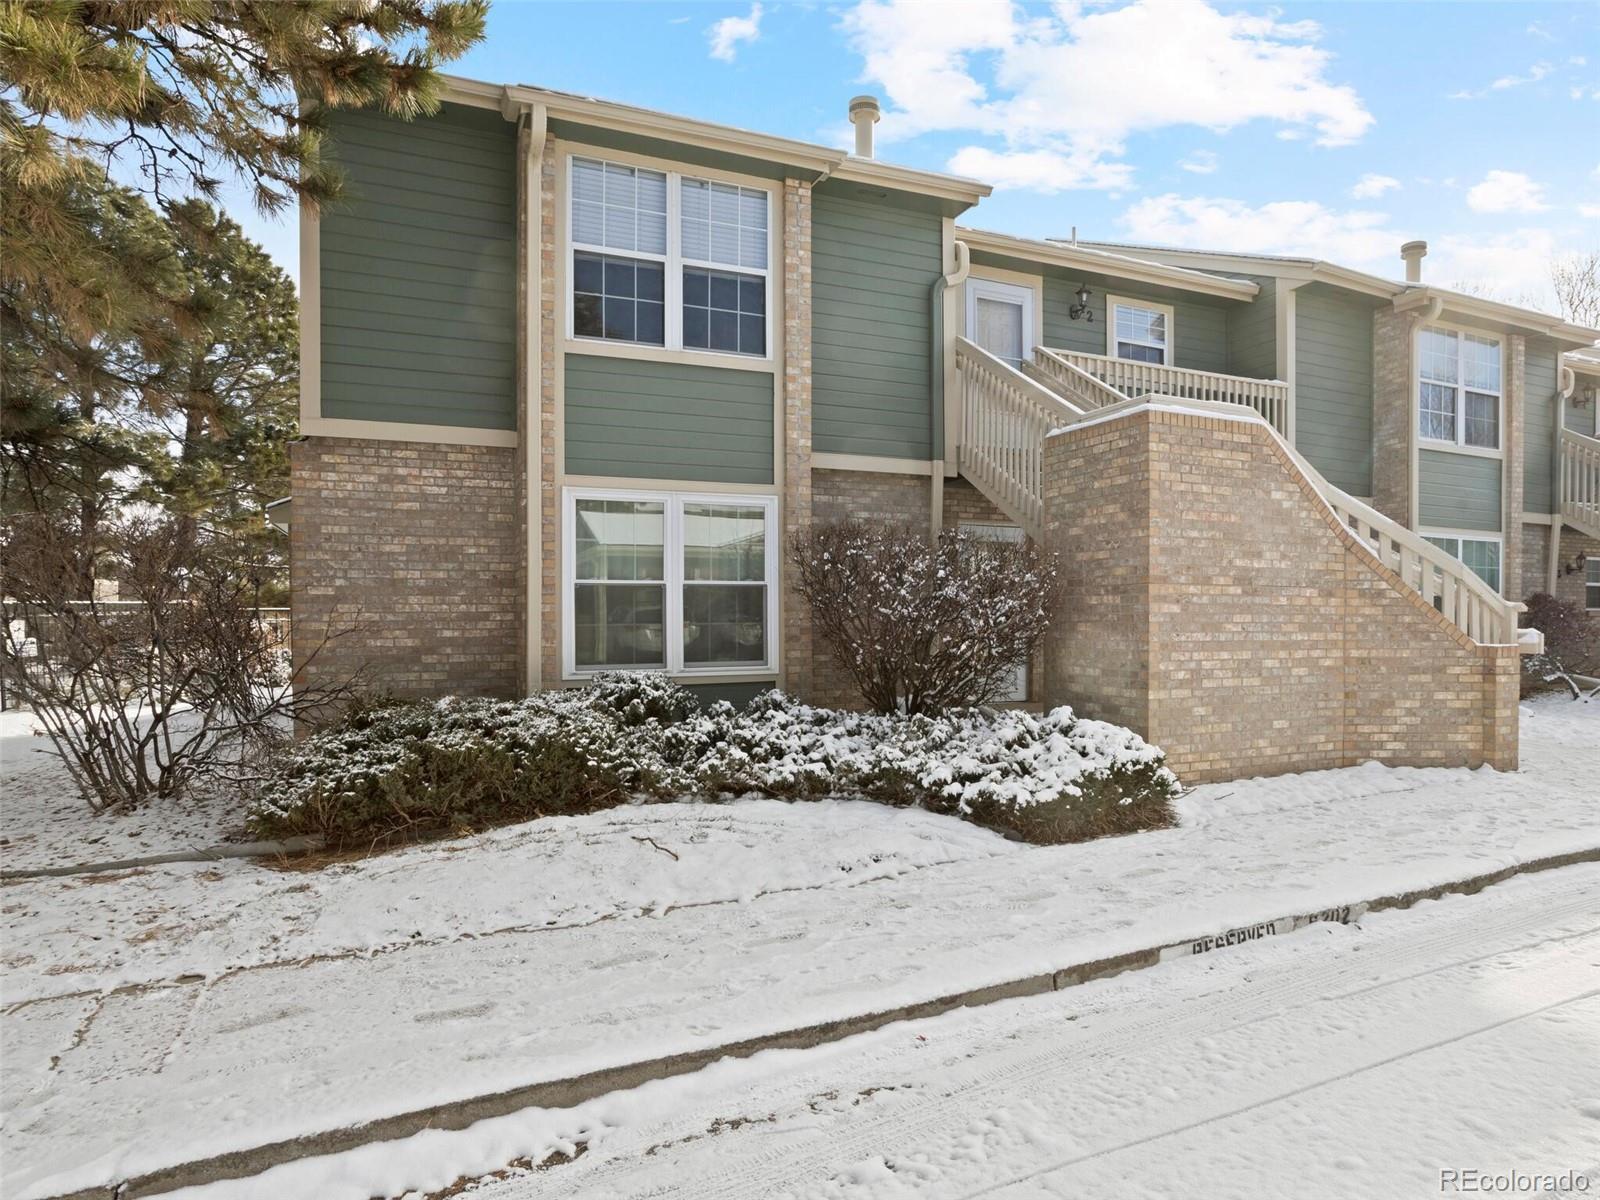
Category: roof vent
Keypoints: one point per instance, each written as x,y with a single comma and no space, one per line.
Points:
1412,254
864,114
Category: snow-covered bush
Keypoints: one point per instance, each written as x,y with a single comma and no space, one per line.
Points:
1571,647
920,626
411,770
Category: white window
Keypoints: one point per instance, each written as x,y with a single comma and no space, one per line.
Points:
1139,331
677,582
1591,582
1458,388
1000,318
662,259
1480,553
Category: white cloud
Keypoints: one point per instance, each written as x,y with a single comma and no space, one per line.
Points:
1046,170
1535,73
1201,162
726,34
1293,227
1591,211
1072,84
1371,186
1513,265
1506,191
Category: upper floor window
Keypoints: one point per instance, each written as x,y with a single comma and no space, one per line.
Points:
1458,388
662,259
1140,332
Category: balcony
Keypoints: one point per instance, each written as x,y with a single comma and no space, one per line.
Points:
1122,379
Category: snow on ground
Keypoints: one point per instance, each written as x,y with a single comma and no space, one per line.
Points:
559,947
1463,1034
45,823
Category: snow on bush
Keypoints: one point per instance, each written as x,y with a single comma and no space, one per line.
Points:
405,770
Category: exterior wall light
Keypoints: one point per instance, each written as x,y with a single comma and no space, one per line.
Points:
1081,311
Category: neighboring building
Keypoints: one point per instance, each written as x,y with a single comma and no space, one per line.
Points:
573,374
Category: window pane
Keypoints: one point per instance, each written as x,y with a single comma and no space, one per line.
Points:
724,311
1141,324
619,299
1437,412
619,625
1591,584
724,224
724,623
1133,353
1484,559
1480,363
619,540
724,542
618,207
1437,350
1483,420
998,328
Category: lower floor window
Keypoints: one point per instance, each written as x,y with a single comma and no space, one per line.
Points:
1480,554
1591,583
671,581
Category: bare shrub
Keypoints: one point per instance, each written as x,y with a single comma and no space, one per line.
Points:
1571,645
925,627
178,678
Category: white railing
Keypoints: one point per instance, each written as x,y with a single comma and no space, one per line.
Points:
1269,397
1578,480
1005,418
1078,386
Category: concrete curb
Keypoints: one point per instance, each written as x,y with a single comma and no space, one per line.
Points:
296,845
565,1093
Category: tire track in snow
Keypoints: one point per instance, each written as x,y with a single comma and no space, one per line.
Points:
1246,1003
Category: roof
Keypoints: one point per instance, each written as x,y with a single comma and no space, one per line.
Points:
1403,294
1104,262
807,157
1587,361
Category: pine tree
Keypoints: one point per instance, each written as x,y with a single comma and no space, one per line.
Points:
180,92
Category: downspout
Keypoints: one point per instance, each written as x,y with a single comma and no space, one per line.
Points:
941,288
533,134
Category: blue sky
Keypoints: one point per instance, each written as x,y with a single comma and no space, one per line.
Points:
1338,130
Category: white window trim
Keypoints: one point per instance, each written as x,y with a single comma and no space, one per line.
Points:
1149,306
672,609
1008,293
1459,445
1472,535
1591,579
673,262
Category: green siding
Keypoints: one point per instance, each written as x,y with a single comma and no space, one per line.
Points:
1253,333
1200,327
873,264
1459,491
1538,425
418,269
1333,385
653,420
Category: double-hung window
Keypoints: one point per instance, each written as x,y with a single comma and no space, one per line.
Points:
1458,388
1591,582
682,583
1139,332
669,260
1482,555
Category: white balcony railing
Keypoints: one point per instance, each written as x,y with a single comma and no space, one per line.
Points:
1269,397
1578,480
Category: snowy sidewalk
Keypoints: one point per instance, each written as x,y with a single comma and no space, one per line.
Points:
106,1086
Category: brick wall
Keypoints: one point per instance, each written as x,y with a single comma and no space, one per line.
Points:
1534,553
1215,605
798,648
418,544
871,496
1570,583
1392,420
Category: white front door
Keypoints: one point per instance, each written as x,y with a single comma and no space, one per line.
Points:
1003,533
1000,318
